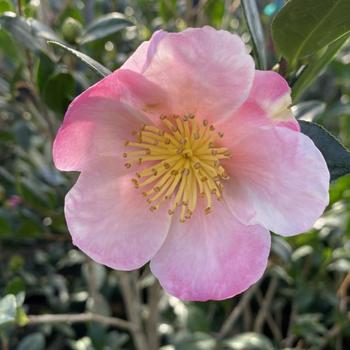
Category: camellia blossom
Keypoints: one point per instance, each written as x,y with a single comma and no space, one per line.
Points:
188,156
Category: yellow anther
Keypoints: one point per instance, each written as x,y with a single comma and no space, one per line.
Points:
184,164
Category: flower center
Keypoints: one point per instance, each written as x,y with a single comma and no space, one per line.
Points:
184,164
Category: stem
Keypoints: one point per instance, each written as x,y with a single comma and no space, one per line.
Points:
91,282
78,318
152,322
4,341
19,7
133,310
236,312
266,302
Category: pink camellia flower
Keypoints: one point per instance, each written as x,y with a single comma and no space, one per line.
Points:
188,156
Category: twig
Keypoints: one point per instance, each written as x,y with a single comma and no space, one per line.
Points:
236,312
133,310
4,342
271,322
152,322
19,7
264,309
78,318
333,332
290,337
92,284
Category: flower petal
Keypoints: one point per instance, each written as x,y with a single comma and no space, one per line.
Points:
279,179
271,92
241,122
204,71
99,121
211,257
109,219
141,58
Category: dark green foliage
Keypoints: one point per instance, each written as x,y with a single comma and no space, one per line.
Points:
303,27
335,154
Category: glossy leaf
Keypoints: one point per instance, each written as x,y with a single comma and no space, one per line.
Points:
308,110
315,68
335,154
104,27
8,309
21,31
94,65
44,69
252,17
58,91
303,27
41,30
35,341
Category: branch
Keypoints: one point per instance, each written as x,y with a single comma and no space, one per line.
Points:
133,309
77,318
236,312
153,316
266,302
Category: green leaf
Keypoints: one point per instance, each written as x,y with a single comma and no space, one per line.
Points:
44,68
336,155
21,31
194,341
9,49
252,17
316,66
15,285
196,319
58,91
303,27
8,309
5,5
41,30
104,27
94,65
248,341
35,341
21,317
281,248
308,110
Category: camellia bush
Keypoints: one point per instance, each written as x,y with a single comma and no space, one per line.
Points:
174,175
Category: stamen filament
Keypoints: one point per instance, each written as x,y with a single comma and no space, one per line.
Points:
186,164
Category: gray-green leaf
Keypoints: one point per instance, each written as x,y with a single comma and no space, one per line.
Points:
35,341
8,309
94,65
104,26
252,17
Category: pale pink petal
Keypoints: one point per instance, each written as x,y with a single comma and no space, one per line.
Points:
109,219
143,55
99,121
211,257
241,122
271,92
203,71
279,179
137,60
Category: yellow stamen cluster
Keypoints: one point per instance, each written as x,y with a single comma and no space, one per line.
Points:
185,163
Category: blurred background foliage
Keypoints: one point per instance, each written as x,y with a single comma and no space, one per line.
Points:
303,300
